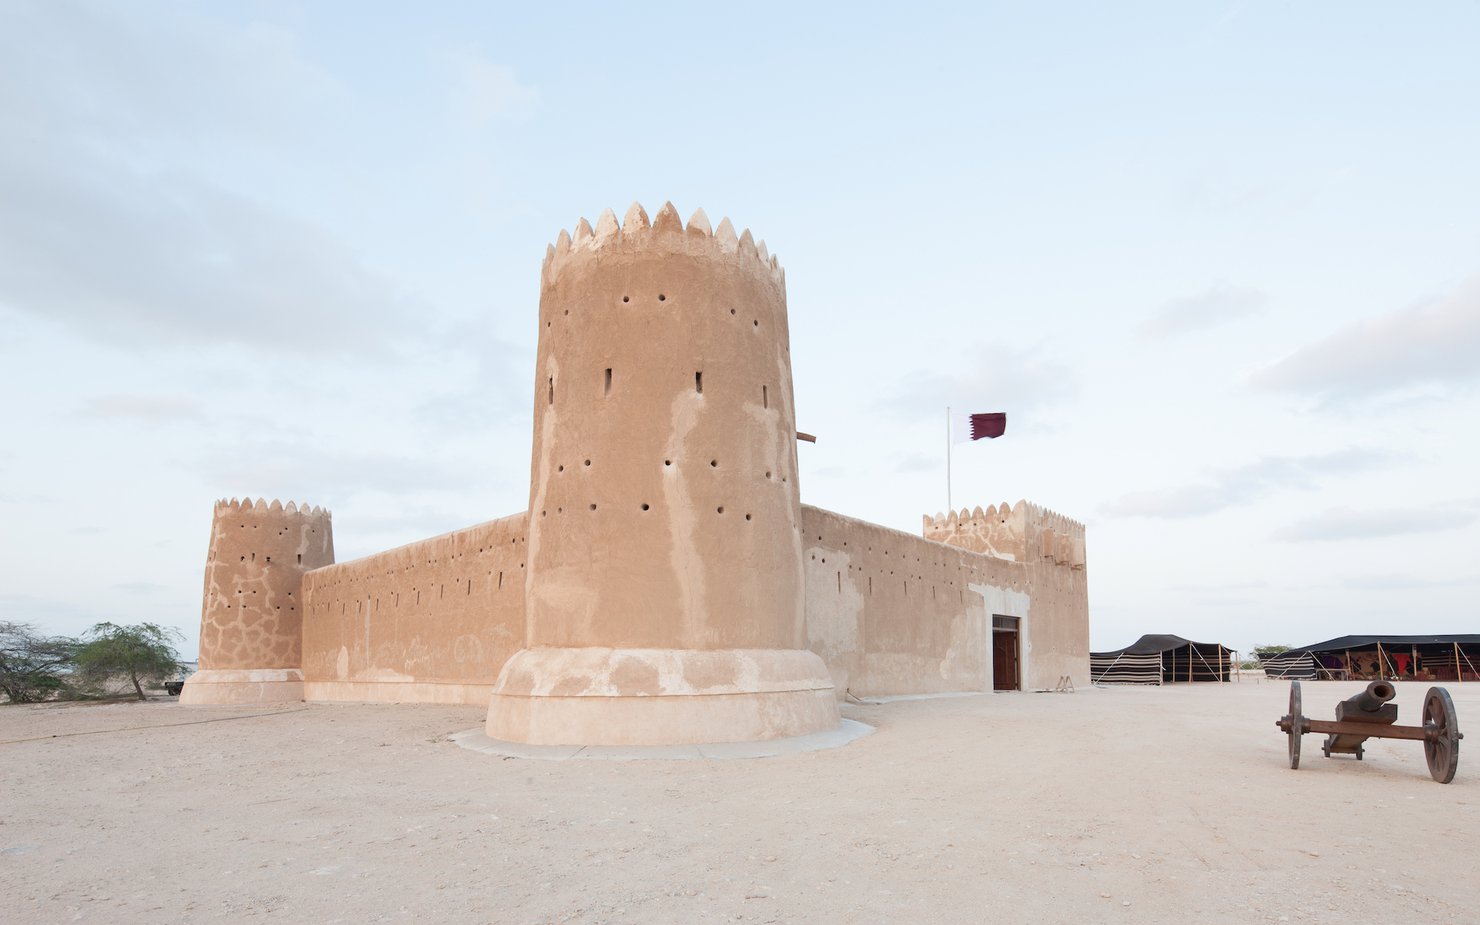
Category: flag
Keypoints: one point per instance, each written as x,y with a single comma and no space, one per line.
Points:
966,427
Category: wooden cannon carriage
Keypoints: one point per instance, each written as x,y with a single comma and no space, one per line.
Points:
1368,715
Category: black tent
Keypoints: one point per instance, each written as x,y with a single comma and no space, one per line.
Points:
1162,659
1453,657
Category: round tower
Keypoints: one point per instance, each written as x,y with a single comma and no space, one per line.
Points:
665,586
251,623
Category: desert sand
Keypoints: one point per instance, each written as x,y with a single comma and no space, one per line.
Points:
1169,804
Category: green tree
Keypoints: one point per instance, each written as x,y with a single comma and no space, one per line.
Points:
144,652
34,667
1263,652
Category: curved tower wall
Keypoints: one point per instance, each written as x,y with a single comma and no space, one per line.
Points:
251,627
665,554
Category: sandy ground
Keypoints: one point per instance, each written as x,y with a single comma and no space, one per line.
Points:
1111,805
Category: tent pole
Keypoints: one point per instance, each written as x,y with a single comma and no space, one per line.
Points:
1381,668
1468,662
1457,675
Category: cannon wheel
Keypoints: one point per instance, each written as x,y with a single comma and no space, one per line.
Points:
1441,748
1297,719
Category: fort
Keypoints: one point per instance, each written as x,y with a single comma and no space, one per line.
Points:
665,585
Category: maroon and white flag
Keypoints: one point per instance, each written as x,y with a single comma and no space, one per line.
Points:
965,427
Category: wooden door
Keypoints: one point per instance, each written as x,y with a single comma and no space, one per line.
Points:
1005,660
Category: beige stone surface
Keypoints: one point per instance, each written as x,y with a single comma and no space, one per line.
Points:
665,517
398,691
238,685
1168,805
606,696
664,512
252,607
1051,550
663,503
893,613
433,621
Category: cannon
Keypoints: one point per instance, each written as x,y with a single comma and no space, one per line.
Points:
1369,715
1371,706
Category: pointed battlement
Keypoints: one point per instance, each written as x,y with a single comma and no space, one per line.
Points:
665,232
1018,532
262,506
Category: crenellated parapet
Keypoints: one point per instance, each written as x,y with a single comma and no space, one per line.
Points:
665,234
261,506
1020,532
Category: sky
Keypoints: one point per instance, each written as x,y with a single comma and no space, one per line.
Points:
1219,263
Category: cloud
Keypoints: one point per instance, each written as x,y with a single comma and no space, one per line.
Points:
493,378
156,409
918,462
1223,587
1432,343
1229,487
143,260
487,91
1220,304
139,587
303,470
1403,582
106,232
996,377
1348,524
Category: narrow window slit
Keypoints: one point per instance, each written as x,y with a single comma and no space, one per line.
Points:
607,389
699,383
765,397
552,390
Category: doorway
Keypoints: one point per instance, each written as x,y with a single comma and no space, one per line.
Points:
1006,674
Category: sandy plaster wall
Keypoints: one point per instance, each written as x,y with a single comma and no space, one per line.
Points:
663,506
1052,550
431,621
893,613
1060,620
252,604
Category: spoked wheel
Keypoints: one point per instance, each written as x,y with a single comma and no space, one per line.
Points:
1296,719
1441,745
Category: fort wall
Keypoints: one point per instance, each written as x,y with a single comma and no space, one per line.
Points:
666,585
1051,548
892,613
429,622
663,492
251,626
665,569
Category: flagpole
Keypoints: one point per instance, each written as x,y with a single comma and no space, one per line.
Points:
948,459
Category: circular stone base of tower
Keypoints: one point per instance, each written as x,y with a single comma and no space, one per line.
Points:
255,685
599,696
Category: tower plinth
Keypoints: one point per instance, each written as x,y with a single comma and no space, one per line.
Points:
251,625
665,585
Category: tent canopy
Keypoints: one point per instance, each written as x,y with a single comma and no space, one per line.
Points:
1155,644
1345,643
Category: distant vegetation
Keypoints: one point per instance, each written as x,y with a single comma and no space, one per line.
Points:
36,668
33,667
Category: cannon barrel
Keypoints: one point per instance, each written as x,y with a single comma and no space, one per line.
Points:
1370,706
1369,701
